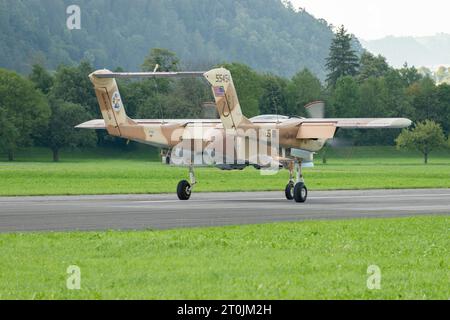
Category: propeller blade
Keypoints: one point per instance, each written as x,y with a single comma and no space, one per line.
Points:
340,143
316,109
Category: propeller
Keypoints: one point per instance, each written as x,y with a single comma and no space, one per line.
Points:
340,143
316,110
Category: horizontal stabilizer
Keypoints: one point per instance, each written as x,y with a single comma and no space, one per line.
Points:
118,75
92,124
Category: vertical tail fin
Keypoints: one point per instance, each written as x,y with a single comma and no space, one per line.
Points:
227,101
110,102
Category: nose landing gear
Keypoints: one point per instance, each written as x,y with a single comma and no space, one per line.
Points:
184,189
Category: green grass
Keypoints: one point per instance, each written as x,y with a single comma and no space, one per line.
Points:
114,172
305,260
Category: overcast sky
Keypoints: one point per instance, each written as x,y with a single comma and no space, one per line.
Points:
373,19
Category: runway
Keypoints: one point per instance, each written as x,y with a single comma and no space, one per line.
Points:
138,212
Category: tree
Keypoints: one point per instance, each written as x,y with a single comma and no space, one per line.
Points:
9,134
273,99
301,90
193,91
345,103
425,100
372,66
135,93
183,98
441,74
443,106
72,84
42,79
23,110
410,75
425,72
398,103
166,59
61,133
270,37
342,59
374,103
346,98
173,106
425,137
248,87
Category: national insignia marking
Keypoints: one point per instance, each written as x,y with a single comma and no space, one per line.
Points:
116,101
219,91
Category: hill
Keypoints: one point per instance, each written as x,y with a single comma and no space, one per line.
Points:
267,35
429,51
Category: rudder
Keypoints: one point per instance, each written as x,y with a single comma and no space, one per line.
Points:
227,101
110,102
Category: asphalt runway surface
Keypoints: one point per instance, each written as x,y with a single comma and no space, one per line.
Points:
138,212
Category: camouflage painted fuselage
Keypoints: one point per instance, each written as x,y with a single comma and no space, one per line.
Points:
281,135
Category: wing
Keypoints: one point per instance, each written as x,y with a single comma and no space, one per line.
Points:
326,128
363,123
374,123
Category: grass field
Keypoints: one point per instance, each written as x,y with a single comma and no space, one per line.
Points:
106,172
305,260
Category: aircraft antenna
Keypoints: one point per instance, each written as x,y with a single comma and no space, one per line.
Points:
275,104
157,93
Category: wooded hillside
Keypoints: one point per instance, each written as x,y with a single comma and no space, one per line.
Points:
267,35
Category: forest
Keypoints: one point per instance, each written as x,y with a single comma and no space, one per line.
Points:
269,36
42,107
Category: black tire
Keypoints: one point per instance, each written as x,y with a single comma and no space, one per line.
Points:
300,192
289,191
184,190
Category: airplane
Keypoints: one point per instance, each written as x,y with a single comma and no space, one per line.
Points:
284,142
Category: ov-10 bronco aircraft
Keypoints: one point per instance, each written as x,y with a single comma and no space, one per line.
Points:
232,142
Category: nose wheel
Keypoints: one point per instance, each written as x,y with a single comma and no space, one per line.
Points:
184,188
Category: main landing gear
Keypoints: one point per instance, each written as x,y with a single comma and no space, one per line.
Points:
296,189
184,189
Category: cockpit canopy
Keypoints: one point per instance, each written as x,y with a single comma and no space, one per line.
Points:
270,117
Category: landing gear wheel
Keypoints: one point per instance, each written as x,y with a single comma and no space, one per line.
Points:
184,190
300,192
289,191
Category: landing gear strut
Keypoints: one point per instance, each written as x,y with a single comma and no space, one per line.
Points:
184,189
296,190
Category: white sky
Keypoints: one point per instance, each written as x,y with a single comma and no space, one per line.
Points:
373,19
